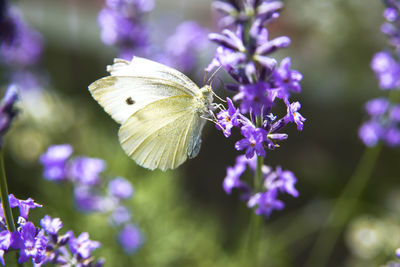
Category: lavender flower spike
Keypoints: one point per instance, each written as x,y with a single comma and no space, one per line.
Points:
7,110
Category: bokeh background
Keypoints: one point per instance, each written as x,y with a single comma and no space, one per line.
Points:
184,214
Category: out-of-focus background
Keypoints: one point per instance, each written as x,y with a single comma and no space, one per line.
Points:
184,214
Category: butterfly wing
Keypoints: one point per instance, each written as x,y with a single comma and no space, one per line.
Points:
161,135
133,85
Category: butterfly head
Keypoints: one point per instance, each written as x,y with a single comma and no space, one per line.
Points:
206,96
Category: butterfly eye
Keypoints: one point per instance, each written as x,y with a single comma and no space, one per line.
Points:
130,101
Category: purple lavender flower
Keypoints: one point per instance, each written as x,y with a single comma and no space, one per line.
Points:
294,116
227,119
51,226
32,244
182,47
284,181
87,200
387,70
394,113
130,238
244,52
7,110
90,195
392,136
86,170
377,107
54,161
232,179
5,242
121,24
255,98
287,80
82,245
120,188
20,45
370,133
235,13
266,202
253,141
120,215
23,205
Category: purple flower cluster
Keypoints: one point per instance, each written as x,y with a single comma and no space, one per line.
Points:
383,125
384,116
121,25
90,194
7,110
273,182
44,245
244,49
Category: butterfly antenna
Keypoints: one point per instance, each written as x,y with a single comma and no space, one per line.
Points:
212,75
205,77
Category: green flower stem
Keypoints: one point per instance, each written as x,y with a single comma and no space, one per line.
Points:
255,228
345,204
8,216
343,208
4,196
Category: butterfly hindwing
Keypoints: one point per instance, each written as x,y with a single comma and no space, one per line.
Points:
157,136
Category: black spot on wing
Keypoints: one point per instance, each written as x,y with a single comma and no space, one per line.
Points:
130,101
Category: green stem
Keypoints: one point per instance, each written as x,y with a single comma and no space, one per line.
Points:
343,208
345,205
4,196
255,228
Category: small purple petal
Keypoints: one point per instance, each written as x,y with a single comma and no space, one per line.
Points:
130,238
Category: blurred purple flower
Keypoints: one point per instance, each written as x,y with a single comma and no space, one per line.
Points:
54,162
266,202
120,188
392,137
394,113
182,47
86,200
377,106
370,133
121,25
120,215
387,70
86,170
20,45
130,238
7,110
232,179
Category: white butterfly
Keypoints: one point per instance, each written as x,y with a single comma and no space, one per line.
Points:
161,111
